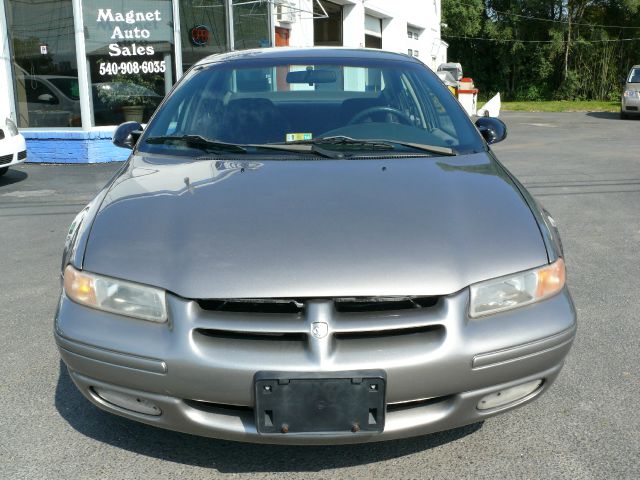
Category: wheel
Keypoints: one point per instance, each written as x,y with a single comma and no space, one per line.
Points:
623,115
3,170
400,115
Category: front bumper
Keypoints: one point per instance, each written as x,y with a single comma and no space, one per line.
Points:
630,105
13,150
203,383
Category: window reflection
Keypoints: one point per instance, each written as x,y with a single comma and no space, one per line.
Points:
44,62
203,29
129,45
250,25
327,31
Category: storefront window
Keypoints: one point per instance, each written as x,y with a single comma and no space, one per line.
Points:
372,32
251,24
129,46
203,29
327,31
44,63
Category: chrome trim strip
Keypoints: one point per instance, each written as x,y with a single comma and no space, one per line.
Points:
98,354
520,352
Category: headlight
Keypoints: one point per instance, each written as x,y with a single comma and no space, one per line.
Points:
11,126
517,290
115,296
631,93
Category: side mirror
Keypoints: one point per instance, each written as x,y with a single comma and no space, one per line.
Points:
127,134
492,129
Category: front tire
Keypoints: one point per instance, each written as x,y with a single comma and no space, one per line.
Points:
623,116
3,170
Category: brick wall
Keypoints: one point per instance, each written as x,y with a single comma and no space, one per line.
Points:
44,146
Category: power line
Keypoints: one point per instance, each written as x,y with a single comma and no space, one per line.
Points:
541,19
515,40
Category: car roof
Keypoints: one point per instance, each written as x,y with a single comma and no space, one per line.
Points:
308,53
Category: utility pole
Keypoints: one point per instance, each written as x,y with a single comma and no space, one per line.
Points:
568,43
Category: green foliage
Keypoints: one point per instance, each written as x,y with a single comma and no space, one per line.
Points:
532,93
544,49
468,17
570,88
132,90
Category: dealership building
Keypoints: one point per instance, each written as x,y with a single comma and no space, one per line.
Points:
72,70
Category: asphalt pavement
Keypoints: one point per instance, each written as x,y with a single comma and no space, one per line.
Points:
584,168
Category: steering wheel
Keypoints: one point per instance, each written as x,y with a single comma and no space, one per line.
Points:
358,117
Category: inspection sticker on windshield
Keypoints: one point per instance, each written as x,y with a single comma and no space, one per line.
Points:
296,137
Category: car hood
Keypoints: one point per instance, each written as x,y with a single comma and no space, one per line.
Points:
319,228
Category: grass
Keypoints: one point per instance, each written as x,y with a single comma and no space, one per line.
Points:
562,106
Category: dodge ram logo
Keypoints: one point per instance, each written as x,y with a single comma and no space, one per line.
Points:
319,329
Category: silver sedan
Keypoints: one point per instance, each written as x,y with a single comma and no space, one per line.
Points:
313,246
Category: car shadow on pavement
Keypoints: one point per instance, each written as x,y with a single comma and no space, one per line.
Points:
605,115
224,456
12,176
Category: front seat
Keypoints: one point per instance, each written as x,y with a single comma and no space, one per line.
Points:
253,120
352,106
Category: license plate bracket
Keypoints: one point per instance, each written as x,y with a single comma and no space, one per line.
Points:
329,402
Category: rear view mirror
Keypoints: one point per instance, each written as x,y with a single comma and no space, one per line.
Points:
312,77
492,129
127,135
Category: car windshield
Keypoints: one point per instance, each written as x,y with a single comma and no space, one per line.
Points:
352,106
634,76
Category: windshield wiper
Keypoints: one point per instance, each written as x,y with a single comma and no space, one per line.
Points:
302,146
437,149
295,147
346,141
199,142
203,143
375,144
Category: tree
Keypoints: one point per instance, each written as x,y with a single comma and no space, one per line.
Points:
539,49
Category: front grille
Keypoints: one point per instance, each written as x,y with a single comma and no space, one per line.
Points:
240,410
22,155
388,334
296,305
401,406
249,305
354,324
382,304
6,159
635,109
218,407
261,336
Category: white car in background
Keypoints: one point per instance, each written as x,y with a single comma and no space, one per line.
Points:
13,148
